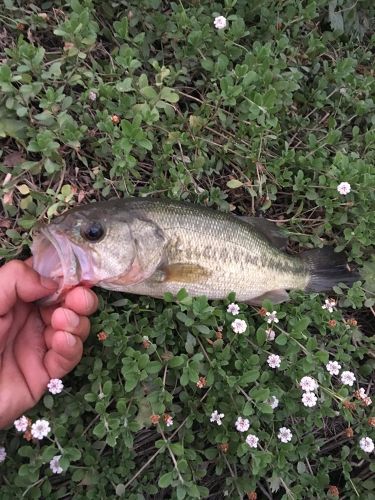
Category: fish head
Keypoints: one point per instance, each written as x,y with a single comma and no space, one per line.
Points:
87,246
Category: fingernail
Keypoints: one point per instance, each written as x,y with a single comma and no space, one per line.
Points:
90,300
48,283
70,339
71,318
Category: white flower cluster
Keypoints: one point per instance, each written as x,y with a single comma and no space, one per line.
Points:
239,326
329,304
55,386
347,377
216,417
220,22
344,188
309,385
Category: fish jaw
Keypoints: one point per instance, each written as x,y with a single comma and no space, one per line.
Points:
56,257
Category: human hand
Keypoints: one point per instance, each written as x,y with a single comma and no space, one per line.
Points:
37,343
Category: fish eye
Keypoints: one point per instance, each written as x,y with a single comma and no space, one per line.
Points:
93,232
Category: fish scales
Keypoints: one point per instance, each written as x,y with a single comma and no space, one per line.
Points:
238,258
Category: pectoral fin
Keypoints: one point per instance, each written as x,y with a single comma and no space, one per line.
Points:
275,296
182,273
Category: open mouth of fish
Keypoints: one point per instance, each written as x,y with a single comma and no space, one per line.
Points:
56,257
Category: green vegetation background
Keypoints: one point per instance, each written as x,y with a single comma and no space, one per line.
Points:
265,117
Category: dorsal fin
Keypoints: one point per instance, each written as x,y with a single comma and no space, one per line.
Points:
268,229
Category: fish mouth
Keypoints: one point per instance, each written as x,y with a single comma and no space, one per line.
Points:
56,257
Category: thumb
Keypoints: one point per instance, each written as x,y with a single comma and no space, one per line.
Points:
19,281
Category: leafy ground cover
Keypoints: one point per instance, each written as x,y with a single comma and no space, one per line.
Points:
266,115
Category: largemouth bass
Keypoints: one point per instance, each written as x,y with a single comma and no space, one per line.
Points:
151,246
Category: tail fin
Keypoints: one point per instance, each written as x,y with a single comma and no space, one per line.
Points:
327,269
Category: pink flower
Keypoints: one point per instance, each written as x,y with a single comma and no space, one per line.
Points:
220,22
308,384
344,188
21,424
367,444
273,402
233,309
309,399
285,435
55,466
333,367
239,326
216,417
252,441
55,386
242,424
274,361
347,378
168,421
40,429
272,317
270,334
329,304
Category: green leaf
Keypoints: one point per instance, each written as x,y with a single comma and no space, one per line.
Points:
131,381
125,85
26,451
180,492
261,336
107,387
177,449
193,373
265,408
99,430
281,339
203,329
335,17
72,453
249,376
176,362
259,394
168,95
120,489
234,184
301,468
48,453
165,480
48,401
149,92
154,367
12,128
322,356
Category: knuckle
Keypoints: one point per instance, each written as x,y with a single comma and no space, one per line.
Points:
15,266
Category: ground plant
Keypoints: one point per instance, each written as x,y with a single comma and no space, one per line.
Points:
256,108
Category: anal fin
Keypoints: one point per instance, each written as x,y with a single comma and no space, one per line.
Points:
275,296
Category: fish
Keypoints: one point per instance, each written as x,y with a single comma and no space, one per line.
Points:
149,246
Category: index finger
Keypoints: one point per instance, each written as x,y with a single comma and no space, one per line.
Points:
81,300
19,281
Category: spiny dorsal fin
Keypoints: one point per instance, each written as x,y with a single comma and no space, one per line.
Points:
268,229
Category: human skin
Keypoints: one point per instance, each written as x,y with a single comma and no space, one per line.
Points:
37,343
